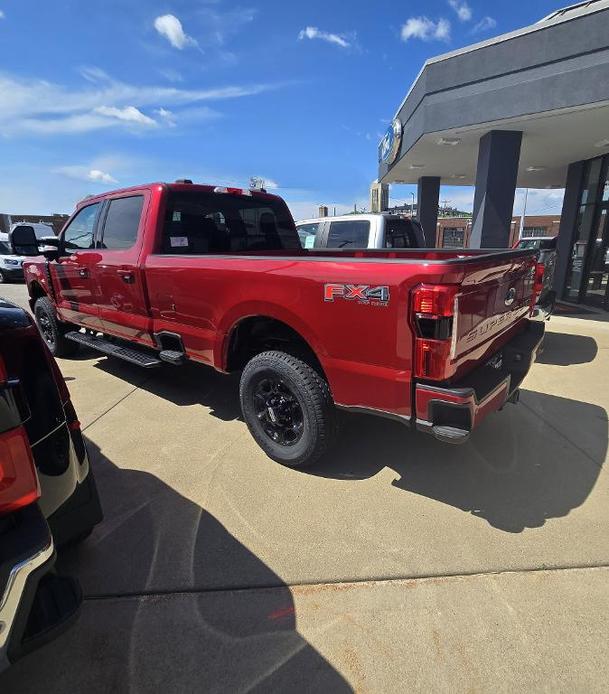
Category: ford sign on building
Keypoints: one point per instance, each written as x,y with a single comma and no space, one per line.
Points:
389,146
526,109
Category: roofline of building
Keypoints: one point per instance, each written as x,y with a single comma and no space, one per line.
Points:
550,20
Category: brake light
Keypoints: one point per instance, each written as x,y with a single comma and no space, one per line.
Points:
433,315
18,480
435,300
537,283
232,191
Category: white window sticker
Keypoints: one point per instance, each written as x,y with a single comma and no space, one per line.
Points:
178,241
310,241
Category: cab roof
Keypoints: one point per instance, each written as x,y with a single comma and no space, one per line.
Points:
179,186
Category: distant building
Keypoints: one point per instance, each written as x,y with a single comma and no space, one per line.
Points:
323,211
455,232
56,221
406,210
379,197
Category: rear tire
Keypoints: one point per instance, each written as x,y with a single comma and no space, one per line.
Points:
52,330
288,408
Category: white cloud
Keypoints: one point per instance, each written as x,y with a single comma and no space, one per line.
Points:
41,107
485,24
128,113
170,27
1,14
426,29
94,74
463,10
315,33
167,116
85,173
101,176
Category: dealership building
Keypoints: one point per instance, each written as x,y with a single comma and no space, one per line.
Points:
527,109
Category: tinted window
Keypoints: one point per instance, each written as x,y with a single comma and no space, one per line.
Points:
4,249
79,233
122,222
198,223
349,233
400,233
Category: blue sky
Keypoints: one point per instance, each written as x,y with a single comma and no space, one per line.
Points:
108,93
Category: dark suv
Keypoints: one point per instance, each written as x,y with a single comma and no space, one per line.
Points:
48,496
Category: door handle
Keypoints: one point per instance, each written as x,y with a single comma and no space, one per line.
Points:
127,276
83,272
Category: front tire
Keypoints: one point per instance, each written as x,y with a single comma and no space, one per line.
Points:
288,408
52,331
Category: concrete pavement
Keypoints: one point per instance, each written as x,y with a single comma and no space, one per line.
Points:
401,563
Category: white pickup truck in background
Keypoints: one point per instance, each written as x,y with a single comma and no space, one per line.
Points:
361,231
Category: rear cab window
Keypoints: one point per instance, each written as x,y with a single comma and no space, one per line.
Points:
401,233
121,223
352,234
198,222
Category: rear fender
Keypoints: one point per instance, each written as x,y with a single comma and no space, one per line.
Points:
252,309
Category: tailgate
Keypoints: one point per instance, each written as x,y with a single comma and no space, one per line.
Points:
494,297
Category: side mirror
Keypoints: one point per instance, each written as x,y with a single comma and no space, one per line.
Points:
49,247
23,241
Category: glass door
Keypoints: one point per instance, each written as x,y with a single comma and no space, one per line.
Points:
597,281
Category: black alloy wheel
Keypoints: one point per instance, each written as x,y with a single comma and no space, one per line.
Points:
279,411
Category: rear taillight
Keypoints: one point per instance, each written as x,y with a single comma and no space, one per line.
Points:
537,283
433,307
18,480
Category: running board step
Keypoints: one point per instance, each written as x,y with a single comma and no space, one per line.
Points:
172,356
133,356
449,434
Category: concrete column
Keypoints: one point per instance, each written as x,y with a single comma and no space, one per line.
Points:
428,201
496,174
568,219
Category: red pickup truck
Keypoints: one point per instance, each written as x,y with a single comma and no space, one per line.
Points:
158,273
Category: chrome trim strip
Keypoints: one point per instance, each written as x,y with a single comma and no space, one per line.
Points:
9,603
361,409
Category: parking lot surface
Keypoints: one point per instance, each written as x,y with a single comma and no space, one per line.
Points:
398,563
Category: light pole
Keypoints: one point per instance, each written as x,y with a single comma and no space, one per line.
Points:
412,208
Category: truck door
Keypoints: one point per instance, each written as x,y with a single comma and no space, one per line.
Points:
122,298
74,272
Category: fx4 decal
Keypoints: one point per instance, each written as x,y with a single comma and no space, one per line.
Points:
362,293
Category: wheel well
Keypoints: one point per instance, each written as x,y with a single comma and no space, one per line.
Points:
258,334
36,292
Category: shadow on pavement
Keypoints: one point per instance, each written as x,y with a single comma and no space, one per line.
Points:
563,349
159,613
516,471
191,384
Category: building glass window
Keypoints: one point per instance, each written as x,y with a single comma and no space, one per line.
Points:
453,237
597,280
588,271
585,244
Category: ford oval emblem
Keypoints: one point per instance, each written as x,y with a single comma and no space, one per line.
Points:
510,296
389,146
